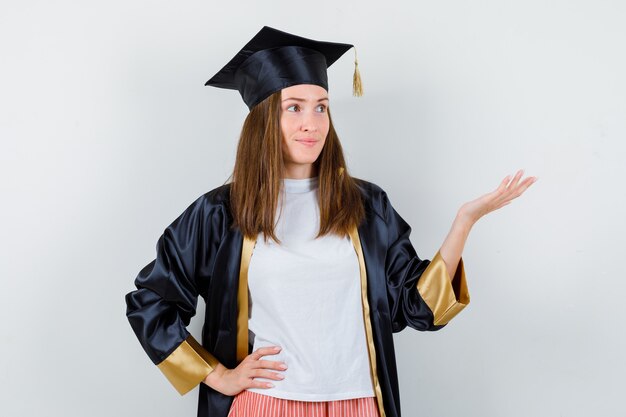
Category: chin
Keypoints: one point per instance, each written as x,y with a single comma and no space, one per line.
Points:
306,161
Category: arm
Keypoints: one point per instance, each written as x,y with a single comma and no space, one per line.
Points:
509,189
426,295
167,291
420,292
165,301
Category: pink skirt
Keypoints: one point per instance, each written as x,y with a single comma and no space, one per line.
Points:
251,404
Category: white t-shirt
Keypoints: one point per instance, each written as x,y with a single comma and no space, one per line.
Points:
306,297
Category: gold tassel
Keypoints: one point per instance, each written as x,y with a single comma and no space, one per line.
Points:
357,86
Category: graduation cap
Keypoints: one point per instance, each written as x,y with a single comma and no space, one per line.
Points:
273,60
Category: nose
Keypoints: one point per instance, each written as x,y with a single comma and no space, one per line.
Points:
309,124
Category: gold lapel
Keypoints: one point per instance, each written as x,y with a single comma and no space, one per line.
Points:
242,299
356,242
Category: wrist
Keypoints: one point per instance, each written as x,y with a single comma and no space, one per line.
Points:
215,376
463,221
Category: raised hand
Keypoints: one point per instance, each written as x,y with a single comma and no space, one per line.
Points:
508,190
470,212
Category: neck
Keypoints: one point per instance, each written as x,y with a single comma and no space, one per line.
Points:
299,171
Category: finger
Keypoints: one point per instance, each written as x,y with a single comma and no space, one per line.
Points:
522,186
531,180
265,364
516,178
500,190
260,352
512,186
503,184
507,196
260,373
259,384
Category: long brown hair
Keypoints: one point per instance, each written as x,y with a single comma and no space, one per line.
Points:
258,173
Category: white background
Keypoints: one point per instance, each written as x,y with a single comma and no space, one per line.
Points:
107,134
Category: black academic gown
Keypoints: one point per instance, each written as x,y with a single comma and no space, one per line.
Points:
200,254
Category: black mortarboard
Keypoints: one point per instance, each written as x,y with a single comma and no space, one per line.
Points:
273,60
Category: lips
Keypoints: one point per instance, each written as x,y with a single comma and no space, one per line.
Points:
307,141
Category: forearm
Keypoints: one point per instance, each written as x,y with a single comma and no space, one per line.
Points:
452,248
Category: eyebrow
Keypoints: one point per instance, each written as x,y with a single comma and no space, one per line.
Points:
301,99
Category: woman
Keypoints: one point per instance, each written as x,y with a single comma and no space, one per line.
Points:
305,270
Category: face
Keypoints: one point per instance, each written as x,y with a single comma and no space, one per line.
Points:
304,124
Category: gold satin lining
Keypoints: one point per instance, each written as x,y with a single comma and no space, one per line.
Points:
242,299
188,365
445,297
356,242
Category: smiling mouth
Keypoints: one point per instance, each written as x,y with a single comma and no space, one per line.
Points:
307,141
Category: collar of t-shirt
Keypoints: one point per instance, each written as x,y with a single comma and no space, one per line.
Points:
298,186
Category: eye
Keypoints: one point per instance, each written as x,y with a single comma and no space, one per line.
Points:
321,108
293,107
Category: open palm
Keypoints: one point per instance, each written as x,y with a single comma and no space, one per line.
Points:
508,190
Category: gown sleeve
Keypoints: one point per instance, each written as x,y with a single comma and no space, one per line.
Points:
166,296
421,293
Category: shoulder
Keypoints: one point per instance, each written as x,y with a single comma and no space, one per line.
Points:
369,189
213,204
219,196
374,197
